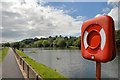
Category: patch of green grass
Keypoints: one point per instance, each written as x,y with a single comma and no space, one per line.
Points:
3,53
41,69
33,51
73,47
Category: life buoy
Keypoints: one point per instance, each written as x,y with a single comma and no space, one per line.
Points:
98,39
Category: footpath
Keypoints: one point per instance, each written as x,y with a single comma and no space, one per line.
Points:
10,68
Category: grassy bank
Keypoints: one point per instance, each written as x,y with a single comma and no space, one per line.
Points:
3,53
41,69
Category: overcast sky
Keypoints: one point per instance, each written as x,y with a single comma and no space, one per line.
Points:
23,19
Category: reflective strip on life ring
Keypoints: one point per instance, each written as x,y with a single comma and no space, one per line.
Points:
85,39
102,35
103,38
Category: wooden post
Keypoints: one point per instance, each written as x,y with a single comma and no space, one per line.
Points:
18,56
23,64
36,78
20,60
27,71
98,71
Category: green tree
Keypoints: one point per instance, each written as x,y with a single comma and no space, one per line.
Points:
45,43
77,42
22,45
15,45
28,41
118,37
66,38
118,34
36,39
38,43
6,44
61,43
69,43
55,43
32,45
50,40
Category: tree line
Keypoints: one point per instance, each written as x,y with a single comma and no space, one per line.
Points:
54,42
118,38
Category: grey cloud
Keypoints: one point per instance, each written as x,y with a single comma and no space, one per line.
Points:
30,20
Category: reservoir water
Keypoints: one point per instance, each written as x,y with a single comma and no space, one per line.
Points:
71,64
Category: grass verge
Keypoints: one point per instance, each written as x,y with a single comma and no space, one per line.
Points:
41,69
3,53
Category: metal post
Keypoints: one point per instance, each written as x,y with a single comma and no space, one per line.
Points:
98,71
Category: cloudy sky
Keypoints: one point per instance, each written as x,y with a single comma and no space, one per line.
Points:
21,19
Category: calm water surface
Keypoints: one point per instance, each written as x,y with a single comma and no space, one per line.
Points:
71,64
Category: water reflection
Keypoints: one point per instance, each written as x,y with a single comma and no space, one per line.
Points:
71,64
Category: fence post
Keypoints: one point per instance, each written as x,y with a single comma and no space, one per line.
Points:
17,56
27,71
20,60
23,64
36,78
